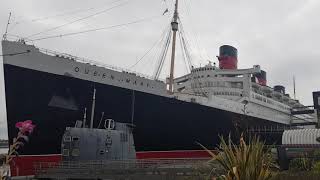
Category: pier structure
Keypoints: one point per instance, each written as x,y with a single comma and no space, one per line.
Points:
129,169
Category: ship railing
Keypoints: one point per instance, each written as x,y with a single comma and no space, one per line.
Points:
270,129
45,167
11,37
95,63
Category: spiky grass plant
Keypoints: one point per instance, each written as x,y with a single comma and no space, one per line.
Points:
243,162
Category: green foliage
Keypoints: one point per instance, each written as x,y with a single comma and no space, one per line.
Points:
316,154
301,164
243,162
316,167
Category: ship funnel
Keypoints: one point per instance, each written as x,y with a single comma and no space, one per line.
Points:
280,89
228,57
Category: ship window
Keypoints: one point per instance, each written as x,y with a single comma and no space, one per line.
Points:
75,152
101,152
67,139
65,152
208,75
75,138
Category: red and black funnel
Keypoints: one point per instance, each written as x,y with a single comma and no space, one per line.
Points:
228,57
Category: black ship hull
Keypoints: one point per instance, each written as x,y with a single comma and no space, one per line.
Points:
54,102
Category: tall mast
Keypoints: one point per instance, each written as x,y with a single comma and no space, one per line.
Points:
294,87
5,34
174,26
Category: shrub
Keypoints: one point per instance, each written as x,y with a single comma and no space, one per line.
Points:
316,167
300,164
243,162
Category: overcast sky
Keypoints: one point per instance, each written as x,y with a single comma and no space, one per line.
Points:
281,36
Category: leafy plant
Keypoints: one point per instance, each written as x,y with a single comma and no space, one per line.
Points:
243,162
316,167
25,129
301,164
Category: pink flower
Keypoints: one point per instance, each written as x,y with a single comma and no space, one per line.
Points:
25,126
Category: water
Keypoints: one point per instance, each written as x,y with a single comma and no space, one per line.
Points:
3,150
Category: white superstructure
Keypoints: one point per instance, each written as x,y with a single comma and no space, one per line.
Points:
234,90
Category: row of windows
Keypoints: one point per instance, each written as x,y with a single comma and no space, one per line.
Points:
218,84
228,93
203,69
202,76
266,100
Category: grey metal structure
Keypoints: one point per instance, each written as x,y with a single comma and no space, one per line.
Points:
120,170
113,142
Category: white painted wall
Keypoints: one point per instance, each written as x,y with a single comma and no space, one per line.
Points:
3,112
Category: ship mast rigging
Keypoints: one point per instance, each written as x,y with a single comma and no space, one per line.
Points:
174,26
6,32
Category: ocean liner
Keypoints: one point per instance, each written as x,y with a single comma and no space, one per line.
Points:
54,90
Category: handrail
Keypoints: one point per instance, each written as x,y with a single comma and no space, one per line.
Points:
93,62
117,163
85,60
